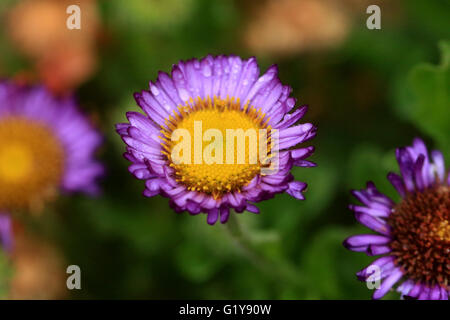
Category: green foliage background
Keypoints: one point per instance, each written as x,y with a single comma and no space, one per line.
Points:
375,92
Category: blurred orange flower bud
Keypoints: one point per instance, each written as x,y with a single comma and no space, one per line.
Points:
284,27
63,58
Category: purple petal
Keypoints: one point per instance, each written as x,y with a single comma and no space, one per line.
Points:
385,264
373,223
388,283
6,237
405,287
376,212
212,216
224,214
406,168
375,250
398,183
439,164
425,294
366,239
418,172
435,293
415,291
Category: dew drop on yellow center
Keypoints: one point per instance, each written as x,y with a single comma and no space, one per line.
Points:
221,114
31,163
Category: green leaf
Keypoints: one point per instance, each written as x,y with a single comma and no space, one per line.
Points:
425,99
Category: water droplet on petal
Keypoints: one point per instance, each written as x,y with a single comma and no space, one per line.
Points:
154,90
183,93
207,71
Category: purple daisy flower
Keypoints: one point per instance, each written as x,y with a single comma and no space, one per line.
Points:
221,93
414,234
46,145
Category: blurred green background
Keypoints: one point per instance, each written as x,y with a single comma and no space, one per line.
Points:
368,91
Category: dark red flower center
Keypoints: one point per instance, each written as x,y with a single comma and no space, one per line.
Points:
421,236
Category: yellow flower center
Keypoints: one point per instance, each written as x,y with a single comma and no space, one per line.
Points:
223,152
442,230
31,163
420,235
15,162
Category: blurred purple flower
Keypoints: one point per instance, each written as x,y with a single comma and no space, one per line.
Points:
46,145
224,92
414,234
6,240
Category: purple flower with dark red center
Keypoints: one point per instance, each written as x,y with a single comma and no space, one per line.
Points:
413,234
218,94
46,145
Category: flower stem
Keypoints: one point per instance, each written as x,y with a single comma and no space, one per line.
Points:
277,269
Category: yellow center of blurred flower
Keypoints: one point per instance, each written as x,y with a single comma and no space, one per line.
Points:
31,164
214,145
15,163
